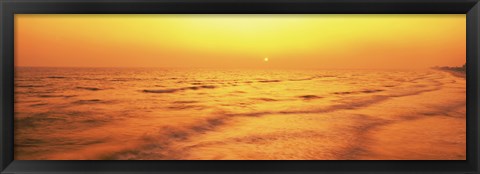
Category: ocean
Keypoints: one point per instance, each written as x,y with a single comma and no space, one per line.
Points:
201,113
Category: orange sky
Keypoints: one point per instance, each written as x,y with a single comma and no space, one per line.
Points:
241,41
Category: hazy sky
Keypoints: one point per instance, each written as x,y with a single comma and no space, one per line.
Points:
241,41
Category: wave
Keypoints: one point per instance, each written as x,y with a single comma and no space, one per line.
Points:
56,77
266,99
309,97
160,90
55,96
173,134
88,88
162,139
201,87
186,102
181,107
302,79
36,120
38,104
161,142
95,79
29,86
372,91
124,79
368,91
30,142
91,101
239,92
269,81
312,78
178,89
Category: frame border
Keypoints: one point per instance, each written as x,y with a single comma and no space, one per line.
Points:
8,9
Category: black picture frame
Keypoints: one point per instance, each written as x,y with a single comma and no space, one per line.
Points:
9,8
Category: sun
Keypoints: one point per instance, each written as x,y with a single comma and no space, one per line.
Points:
266,59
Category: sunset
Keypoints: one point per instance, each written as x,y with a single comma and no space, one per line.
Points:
240,87
241,41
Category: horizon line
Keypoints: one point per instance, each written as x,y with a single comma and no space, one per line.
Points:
271,68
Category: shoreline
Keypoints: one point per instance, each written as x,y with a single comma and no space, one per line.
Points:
461,74
457,74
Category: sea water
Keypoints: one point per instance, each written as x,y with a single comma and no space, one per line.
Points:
201,113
